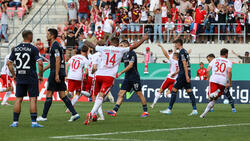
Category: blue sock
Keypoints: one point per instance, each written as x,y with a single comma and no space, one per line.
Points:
192,98
16,116
229,97
172,101
145,108
33,117
69,105
116,108
46,107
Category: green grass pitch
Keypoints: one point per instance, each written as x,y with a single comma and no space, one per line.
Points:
174,127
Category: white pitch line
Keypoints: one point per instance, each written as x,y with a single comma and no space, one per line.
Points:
153,130
110,139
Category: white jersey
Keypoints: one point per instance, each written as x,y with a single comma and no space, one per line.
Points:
93,59
5,69
110,60
173,67
220,70
77,64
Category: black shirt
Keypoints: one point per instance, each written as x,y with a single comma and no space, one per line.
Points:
57,50
133,73
230,17
71,42
183,55
25,55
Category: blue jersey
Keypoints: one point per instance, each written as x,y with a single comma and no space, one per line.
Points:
183,55
133,73
57,50
25,56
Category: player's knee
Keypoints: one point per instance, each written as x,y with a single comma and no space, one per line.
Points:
121,93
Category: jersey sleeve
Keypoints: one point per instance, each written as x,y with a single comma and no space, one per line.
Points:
56,50
132,57
230,64
12,57
211,63
95,58
37,54
183,57
125,50
100,48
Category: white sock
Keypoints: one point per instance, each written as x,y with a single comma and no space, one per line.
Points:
100,113
2,89
98,103
75,99
34,122
6,96
209,106
110,97
157,96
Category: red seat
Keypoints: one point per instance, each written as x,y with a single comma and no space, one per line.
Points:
11,11
20,12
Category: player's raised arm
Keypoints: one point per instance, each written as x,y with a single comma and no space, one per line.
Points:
137,44
164,51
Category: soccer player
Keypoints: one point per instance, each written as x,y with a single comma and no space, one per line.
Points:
110,59
7,81
131,81
173,73
56,80
183,79
221,78
210,58
76,65
25,57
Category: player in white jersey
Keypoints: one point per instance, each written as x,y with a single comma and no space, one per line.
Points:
111,58
76,65
173,73
221,78
7,81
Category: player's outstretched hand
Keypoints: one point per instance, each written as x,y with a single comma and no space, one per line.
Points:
57,79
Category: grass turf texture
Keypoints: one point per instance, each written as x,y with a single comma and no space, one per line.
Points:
128,119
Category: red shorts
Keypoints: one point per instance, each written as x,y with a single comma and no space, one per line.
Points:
168,83
87,84
214,87
103,84
74,85
164,19
7,81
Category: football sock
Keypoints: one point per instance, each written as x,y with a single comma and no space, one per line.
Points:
98,103
2,89
100,113
229,97
33,117
69,105
145,108
172,100
16,117
6,96
116,108
157,96
46,107
209,106
192,98
75,99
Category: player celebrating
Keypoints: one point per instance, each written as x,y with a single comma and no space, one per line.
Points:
110,59
7,82
173,73
210,58
221,78
76,64
131,81
56,80
183,79
25,56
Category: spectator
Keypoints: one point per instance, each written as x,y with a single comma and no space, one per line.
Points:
169,29
70,44
4,23
83,10
154,4
81,37
185,5
238,6
209,27
136,16
199,15
164,12
99,33
231,28
124,20
144,15
174,13
188,20
91,38
245,59
25,6
202,72
72,11
105,11
139,2
222,20
114,8
15,3
108,27
157,25
179,27
123,4
40,47
149,29
98,24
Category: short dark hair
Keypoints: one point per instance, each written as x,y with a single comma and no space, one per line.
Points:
246,52
53,32
178,41
114,41
84,48
124,42
223,51
38,39
211,55
26,33
201,63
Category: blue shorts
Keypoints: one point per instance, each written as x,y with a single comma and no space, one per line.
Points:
134,27
32,89
54,86
182,83
128,85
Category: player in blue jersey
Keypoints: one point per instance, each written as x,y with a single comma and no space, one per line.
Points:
183,79
56,80
25,57
131,81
